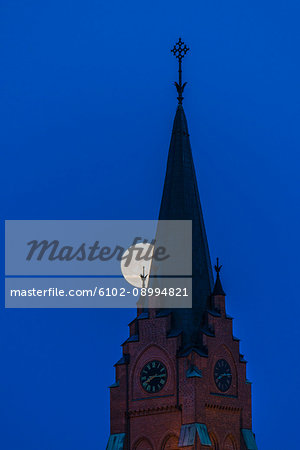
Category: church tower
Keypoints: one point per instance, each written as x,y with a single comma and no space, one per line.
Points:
204,400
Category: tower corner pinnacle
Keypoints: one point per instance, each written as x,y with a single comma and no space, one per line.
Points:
218,288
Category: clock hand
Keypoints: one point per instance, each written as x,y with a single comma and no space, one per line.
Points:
154,376
149,379
224,375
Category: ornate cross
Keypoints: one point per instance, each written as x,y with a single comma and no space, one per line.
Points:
179,51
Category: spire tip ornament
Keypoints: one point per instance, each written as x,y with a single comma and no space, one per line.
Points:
218,267
179,51
143,277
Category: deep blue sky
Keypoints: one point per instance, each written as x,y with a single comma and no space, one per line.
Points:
86,112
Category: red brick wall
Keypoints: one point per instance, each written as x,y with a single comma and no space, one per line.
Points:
153,421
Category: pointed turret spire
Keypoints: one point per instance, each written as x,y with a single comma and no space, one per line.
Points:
180,201
218,289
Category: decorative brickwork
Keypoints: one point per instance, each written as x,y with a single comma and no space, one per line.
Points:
154,420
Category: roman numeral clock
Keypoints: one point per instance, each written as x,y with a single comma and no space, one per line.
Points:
222,375
153,376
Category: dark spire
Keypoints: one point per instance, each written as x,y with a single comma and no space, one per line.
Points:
180,201
218,289
179,51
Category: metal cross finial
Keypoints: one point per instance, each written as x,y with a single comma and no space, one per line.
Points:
179,51
217,267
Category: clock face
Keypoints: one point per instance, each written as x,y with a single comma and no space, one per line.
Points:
222,375
153,376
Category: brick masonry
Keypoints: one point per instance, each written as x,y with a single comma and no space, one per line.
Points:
153,421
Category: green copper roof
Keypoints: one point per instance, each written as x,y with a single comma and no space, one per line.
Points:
203,434
193,371
249,439
116,442
188,435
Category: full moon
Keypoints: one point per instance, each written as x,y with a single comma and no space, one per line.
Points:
138,270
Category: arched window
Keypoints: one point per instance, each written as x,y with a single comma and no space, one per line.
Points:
171,443
229,443
143,444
